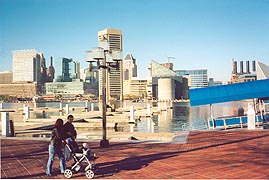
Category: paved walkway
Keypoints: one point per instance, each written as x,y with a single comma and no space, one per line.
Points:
206,155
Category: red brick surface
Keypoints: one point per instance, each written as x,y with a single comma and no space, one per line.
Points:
206,155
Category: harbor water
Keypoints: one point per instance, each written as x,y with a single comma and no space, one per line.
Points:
168,120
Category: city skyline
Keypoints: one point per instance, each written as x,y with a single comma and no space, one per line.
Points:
200,34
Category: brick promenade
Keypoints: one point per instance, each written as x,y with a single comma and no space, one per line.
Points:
206,155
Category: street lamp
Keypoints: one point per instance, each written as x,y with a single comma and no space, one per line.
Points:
100,56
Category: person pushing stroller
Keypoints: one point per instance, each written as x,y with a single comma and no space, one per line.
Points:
80,156
70,132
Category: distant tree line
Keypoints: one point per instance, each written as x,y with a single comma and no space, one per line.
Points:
7,98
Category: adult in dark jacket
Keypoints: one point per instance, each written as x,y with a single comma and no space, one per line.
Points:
55,147
69,128
70,132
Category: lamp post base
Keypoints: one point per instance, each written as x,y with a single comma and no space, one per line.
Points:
104,143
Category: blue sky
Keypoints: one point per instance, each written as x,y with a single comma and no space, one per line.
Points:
200,34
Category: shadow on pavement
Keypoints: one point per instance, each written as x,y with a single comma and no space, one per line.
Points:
132,163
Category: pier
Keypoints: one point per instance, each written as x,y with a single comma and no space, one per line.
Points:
30,120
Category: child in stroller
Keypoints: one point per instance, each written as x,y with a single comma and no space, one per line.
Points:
82,159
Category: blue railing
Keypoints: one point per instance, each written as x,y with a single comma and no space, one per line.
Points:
238,121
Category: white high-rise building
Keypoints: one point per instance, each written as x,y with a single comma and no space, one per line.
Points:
27,66
113,38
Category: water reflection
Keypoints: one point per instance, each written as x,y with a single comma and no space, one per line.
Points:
168,120
171,120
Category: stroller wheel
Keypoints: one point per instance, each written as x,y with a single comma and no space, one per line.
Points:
68,173
89,174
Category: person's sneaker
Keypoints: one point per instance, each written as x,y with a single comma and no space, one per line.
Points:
48,174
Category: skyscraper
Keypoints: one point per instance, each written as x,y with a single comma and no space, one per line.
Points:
27,66
197,78
129,67
65,70
113,38
50,71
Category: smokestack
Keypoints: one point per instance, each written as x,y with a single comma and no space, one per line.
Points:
234,67
247,67
241,67
253,66
51,61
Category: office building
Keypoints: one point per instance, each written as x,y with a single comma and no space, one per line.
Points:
211,82
67,80
135,88
20,90
6,77
73,88
129,67
66,70
50,71
28,66
196,78
112,38
29,73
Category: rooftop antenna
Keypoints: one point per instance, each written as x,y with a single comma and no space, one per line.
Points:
170,57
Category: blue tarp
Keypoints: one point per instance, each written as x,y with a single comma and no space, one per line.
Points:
230,92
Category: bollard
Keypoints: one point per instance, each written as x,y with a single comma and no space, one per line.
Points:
35,105
66,109
132,114
43,114
12,131
251,116
61,106
131,127
1,105
92,106
113,108
5,123
152,126
86,106
26,112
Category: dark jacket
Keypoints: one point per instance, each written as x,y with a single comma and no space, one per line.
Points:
70,131
56,138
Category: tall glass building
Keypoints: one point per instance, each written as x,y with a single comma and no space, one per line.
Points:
65,70
196,78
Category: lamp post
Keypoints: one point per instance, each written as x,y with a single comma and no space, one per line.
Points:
97,55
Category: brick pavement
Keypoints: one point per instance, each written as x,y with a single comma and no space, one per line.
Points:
206,155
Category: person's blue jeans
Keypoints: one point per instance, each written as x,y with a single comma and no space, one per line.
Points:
52,152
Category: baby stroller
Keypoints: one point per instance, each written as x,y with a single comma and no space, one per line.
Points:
82,159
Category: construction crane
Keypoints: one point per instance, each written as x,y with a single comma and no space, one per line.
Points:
170,57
